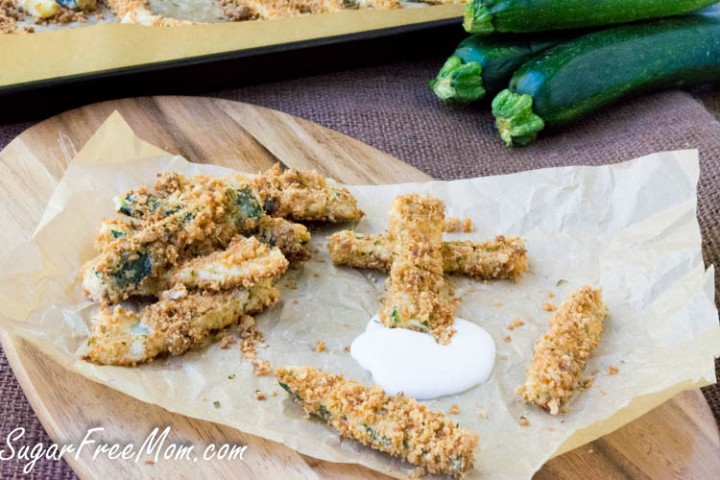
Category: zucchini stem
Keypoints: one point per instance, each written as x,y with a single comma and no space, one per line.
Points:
459,82
514,117
477,18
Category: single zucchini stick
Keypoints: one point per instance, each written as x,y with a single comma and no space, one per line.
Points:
397,425
293,194
561,354
503,258
243,264
527,16
483,66
174,192
305,196
580,76
176,323
415,289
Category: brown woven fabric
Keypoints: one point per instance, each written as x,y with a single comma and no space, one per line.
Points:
390,107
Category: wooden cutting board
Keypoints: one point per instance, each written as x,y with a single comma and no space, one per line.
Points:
679,439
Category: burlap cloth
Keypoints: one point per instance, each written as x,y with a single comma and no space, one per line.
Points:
390,107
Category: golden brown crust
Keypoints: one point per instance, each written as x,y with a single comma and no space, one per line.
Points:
174,324
244,263
305,196
504,258
293,239
561,354
397,425
415,291
454,225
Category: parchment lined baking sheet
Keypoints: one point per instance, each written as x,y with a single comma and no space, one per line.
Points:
630,228
107,47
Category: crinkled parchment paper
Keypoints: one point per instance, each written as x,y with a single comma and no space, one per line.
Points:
630,228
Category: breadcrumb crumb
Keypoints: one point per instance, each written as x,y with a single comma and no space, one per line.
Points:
260,395
613,370
548,307
454,225
320,346
454,409
507,338
524,422
225,339
261,368
516,323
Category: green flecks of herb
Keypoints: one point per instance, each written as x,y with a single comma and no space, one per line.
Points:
117,233
217,404
231,376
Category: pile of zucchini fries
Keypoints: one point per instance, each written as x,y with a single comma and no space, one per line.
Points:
546,63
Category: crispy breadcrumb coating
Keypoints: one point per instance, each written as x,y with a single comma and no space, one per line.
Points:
397,425
415,290
113,228
244,263
173,325
503,258
305,196
293,194
293,239
454,225
561,354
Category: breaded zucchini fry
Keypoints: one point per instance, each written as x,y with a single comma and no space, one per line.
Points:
397,425
244,263
305,196
173,191
561,354
415,296
503,258
176,323
296,195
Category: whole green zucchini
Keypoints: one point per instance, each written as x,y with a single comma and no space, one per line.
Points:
582,75
526,16
482,66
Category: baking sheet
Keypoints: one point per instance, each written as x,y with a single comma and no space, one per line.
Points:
630,228
102,48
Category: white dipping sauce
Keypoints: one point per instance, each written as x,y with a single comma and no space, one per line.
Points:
413,362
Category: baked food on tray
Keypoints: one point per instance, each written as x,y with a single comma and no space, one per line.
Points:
28,16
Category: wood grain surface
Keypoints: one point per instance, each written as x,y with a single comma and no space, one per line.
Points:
679,439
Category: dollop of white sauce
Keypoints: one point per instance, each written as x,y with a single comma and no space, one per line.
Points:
403,360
